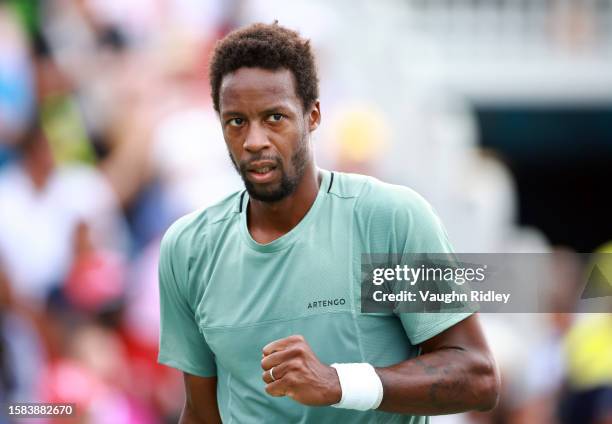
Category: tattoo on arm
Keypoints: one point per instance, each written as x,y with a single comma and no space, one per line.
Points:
450,381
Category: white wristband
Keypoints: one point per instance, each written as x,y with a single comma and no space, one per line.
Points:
361,386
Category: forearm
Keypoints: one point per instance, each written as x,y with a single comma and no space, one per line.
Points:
444,381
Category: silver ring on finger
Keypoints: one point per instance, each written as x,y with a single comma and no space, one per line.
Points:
271,372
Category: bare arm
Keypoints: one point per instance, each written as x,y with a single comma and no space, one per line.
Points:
455,372
200,400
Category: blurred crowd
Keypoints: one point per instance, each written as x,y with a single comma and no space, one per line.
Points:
107,135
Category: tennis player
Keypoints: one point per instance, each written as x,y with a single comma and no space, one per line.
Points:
260,293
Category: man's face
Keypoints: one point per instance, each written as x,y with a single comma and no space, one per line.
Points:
266,130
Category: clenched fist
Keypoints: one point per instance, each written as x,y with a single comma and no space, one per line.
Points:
292,369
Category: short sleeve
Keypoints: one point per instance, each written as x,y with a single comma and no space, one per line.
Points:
425,234
181,345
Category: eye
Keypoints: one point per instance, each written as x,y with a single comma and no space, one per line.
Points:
235,122
275,117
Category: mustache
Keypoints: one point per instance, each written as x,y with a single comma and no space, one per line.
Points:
245,164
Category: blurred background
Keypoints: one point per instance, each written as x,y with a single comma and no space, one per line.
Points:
498,111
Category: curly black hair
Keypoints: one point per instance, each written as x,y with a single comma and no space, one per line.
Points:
267,46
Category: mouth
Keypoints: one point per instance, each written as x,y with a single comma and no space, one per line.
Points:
262,172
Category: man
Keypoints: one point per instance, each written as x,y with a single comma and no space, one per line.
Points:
260,292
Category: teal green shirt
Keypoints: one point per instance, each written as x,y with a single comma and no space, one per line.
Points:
224,296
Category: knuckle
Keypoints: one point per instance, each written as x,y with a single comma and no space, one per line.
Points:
296,338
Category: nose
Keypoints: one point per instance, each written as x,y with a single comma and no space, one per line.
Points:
256,139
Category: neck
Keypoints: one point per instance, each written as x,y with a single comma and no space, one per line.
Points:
38,172
268,221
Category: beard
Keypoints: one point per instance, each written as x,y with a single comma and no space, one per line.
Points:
289,181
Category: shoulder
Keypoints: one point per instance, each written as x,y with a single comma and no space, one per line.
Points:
390,217
375,198
195,228
12,180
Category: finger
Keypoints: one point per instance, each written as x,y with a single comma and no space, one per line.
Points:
279,372
278,358
282,344
276,388
265,376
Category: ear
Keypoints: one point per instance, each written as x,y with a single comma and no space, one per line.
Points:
314,116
